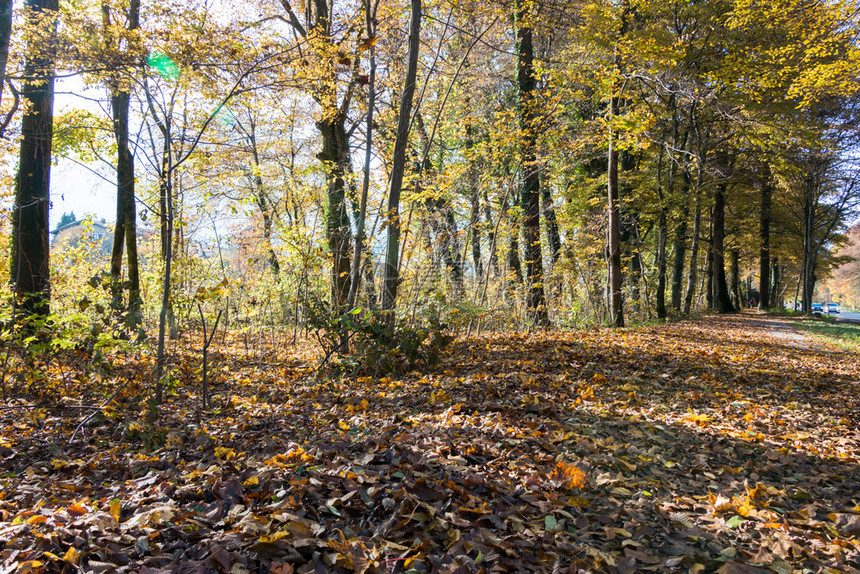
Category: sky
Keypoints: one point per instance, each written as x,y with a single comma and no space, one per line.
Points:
74,187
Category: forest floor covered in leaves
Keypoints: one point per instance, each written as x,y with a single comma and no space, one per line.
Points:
724,444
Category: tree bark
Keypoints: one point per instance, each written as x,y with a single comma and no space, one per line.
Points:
722,298
335,157
474,198
709,267
680,246
528,117
30,264
776,282
391,278
735,282
662,231
125,230
552,231
491,236
370,17
5,35
694,247
765,215
615,298
264,204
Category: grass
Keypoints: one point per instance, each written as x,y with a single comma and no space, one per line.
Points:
827,329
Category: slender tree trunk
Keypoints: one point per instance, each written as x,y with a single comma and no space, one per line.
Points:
370,17
722,298
616,311
30,264
474,199
764,242
491,236
452,245
680,246
808,249
709,267
552,231
125,230
391,278
735,283
264,204
5,35
166,307
163,199
513,255
694,248
335,157
662,231
535,297
475,228
776,282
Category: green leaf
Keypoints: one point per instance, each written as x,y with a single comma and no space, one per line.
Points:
550,522
734,521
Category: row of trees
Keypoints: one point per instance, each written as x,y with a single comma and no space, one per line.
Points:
560,160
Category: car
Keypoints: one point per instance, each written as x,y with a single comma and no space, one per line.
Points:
817,308
833,308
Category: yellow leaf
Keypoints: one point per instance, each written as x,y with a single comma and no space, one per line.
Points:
28,566
439,396
115,508
224,452
274,537
253,481
72,555
37,519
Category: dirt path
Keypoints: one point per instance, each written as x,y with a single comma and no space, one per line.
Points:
783,331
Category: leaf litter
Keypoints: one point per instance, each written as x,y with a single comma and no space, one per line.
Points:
702,446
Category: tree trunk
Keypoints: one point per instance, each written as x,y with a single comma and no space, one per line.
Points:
491,236
680,246
30,246
552,231
166,307
264,204
709,268
370,17
514,264
474,200
5,35
391,278
662,231
535,297
615,296
776,282
335,157
764,241
694,248
735,282
125,230
722,298
808,249
441,210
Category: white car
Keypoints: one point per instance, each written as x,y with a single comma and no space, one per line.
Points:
832,308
